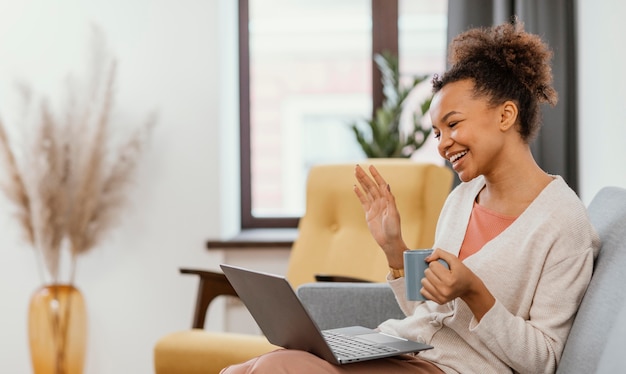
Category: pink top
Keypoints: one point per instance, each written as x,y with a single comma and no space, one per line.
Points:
484,225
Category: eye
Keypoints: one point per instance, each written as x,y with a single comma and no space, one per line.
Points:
437,135
452,124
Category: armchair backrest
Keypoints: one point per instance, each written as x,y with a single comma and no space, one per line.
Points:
333,237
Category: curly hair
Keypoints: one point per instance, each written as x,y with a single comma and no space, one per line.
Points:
505,63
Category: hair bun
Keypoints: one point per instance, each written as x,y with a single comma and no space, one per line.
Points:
507,48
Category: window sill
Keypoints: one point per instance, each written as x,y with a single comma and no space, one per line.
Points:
257,239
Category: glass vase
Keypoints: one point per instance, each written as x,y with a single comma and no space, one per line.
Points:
57,329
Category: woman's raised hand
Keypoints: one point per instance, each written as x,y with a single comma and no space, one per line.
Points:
381,213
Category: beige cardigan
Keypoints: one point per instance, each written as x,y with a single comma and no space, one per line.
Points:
537,269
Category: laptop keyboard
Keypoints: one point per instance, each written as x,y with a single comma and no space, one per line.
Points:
347,346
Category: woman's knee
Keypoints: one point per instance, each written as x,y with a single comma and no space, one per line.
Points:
282,361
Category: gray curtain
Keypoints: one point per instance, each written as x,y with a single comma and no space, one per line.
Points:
555,149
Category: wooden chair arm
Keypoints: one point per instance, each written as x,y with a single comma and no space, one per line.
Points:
210,286
338,278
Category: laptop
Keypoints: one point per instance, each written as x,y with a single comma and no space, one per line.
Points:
285,322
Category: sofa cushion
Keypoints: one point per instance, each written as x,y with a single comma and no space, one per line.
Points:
613,359
605,296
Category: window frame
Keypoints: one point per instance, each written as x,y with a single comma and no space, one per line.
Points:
384,38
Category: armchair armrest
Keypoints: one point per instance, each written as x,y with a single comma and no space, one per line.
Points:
210,286
334,305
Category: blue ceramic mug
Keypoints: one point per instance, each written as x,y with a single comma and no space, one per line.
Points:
414,266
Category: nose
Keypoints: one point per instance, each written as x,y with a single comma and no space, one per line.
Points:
445,142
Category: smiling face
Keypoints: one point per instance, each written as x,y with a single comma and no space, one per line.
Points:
473,135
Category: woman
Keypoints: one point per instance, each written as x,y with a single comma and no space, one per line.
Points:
517,240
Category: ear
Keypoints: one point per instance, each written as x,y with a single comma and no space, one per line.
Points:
508,115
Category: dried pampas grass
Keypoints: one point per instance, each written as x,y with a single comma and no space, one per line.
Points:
14,187
70,185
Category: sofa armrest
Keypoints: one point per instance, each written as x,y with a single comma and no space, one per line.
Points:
334,305
210,286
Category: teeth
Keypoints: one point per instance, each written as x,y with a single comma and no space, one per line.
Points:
457,156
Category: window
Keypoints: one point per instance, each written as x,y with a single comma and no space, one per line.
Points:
306,73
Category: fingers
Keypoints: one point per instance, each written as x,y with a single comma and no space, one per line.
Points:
438,274
369,187
440,254
377,177
438,282
373,187
432,292
363,193
443,285
365,202
428,295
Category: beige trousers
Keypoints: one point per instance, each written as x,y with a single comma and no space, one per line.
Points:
287,361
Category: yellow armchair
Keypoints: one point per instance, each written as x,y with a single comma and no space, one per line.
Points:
333,243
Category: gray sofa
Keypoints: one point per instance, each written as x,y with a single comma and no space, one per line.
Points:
597,342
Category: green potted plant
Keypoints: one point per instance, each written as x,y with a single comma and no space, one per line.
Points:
383,136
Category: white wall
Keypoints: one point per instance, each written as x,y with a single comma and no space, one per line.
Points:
602,96
180,58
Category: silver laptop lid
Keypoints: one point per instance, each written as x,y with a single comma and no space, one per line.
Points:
277,310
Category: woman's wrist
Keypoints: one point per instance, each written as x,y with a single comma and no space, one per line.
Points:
479,299
395,256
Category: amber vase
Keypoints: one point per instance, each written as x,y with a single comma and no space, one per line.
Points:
57,329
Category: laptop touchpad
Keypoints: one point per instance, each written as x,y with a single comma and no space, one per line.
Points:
378,338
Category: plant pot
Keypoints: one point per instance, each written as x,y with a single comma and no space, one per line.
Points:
57,329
